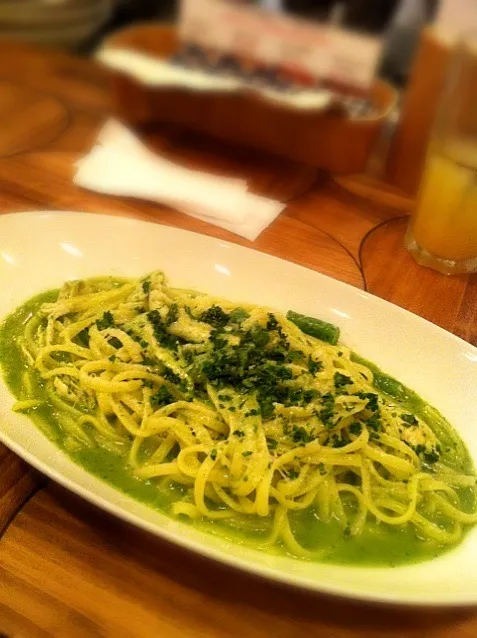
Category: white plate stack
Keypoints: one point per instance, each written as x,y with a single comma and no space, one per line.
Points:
62,23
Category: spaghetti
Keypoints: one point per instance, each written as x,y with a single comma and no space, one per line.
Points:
252,413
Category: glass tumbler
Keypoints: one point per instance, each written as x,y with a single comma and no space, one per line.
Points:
442,233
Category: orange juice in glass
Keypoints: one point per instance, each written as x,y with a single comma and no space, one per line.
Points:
443,229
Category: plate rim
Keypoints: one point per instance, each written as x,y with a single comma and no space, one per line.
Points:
362,291
275,576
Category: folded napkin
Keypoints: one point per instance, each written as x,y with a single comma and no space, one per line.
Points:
120,164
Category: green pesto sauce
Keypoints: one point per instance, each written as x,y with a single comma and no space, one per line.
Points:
379,545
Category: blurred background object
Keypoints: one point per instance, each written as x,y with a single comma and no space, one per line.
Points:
403,35
127,11
75,25
400,22
64,23
424,88
329,138
81,24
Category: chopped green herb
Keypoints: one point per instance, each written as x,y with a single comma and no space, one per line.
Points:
341,380
355,428
172,314
432,457
160,329
327,412
272,444
259,336
301,436
267,408
314,366
371,398
147,361
115,342
247,454
106,321
409,419
82,338
213,454
146,286
374,423
272,323
171,376
161,398
308,396
239,433
215,316
238,315
294,355
337,441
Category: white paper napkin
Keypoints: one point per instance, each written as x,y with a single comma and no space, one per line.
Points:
120,164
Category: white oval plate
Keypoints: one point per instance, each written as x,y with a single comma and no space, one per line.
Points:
39,251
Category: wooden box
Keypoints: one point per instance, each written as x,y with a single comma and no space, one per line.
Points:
329,141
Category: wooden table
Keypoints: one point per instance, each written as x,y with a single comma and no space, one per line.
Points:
67,569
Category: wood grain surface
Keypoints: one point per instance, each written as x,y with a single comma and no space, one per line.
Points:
67,569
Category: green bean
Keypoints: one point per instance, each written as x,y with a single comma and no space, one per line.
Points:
315,327
390,386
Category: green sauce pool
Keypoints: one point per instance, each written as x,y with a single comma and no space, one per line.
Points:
380,545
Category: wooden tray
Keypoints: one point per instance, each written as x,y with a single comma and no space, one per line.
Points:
325,140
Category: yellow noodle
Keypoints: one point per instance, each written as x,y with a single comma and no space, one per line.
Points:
121,364
23,406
